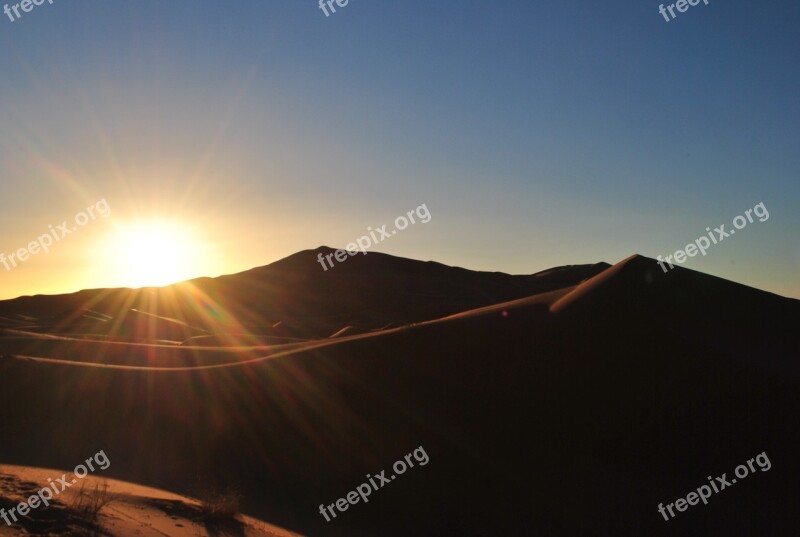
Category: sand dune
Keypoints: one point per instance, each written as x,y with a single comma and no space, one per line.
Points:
289,299
133,510
570,410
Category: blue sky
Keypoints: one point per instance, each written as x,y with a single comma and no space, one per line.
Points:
537,133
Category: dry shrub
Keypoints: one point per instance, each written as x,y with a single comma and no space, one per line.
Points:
90,501
219,504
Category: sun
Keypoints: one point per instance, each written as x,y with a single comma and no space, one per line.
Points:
152,253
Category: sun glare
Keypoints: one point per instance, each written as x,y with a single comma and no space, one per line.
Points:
152,253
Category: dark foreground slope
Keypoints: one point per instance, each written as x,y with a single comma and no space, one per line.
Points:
573,412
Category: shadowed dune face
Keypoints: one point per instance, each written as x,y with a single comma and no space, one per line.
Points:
571,412
292,298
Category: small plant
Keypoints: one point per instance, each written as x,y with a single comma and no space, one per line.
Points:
90,501
218,504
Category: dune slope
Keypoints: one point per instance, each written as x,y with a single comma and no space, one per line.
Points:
571,412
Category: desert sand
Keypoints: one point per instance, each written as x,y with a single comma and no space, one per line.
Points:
569,402
133,510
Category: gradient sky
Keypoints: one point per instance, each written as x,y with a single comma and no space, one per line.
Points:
538,133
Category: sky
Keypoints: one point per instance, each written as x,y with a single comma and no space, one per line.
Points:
227,135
